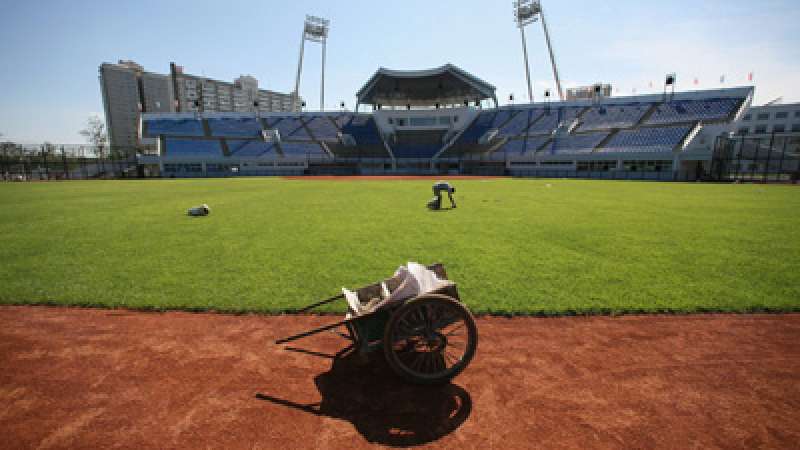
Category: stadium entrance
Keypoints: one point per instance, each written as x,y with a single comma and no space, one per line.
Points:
773,158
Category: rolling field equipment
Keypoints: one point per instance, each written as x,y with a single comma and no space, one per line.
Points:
428,338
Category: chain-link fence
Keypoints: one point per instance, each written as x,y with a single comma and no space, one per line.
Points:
774,158
20,162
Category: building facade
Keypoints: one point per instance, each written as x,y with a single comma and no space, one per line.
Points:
769,119
128,91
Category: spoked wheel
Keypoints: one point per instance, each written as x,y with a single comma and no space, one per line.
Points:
430,339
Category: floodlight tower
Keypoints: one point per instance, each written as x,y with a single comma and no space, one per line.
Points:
315,29
527,12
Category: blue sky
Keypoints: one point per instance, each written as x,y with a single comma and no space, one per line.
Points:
50,50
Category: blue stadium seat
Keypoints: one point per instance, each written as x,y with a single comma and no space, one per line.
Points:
342,119
422,151
322,128
519,122
574,144
251,148
477,128
193,147
512,148
173,127
303,149
550,119
679,111
290,128
658,139
235,127
613,116
516,148
363,129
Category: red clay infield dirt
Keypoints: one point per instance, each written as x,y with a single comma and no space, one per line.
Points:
83,378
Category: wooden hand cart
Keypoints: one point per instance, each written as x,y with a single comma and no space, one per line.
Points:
426,339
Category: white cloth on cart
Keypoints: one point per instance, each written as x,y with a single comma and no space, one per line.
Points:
415,279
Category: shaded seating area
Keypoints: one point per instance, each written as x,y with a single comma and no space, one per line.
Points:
519,148
302,149
363,129
235,127
290,128
574,144
467,142
359,151
172,127
193,147
322,128
423,144
520,122
423,151
251,148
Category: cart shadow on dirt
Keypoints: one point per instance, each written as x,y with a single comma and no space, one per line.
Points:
383,407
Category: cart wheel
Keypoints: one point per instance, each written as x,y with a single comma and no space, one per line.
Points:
430,339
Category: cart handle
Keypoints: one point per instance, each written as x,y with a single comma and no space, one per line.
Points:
320,303
310,332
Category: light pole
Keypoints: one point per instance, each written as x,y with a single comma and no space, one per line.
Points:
527,12
315,29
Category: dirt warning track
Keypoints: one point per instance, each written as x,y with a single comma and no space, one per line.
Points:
82,378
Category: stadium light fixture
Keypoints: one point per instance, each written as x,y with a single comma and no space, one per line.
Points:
527,12
669,82
315,29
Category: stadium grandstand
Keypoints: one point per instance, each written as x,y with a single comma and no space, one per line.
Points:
445,121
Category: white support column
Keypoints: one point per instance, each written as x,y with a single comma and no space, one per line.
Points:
322,89
527,65
296,93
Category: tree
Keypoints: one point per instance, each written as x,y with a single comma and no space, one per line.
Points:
95,133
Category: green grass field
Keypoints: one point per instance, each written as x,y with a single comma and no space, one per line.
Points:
513,246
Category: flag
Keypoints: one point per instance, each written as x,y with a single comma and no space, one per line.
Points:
722,79
696,81
750,76
651,85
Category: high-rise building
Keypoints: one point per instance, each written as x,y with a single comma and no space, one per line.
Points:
595,91
128,91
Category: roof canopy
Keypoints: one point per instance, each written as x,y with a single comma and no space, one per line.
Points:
444,85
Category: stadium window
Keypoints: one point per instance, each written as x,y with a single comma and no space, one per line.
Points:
763,116
747,117
797,113
796,128
761,129
781,115
778,128
742,131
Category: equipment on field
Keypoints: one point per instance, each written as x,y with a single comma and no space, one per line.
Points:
435,203
197,211
416,317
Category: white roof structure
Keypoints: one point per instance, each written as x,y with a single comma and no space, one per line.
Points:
445,85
